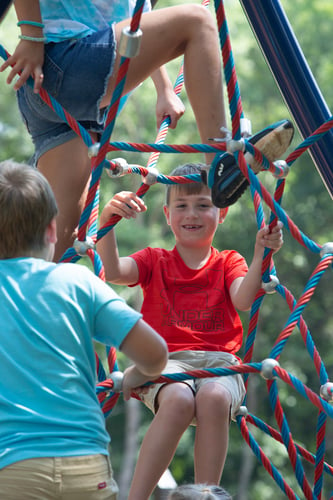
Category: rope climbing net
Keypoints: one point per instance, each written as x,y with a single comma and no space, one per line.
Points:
108,386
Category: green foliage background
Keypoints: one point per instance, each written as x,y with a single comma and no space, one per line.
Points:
306,201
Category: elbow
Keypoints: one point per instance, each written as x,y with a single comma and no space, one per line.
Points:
158,362
242,306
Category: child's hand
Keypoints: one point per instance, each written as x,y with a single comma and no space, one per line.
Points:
125,204
169,104
26,61
133,382
272,239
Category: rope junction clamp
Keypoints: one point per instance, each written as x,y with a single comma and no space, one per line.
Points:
281,164
129,44
326,249
326,392
121,168
117,379
267,367
269,286
233,146
242,412
151,177
245,127
93,149
81,247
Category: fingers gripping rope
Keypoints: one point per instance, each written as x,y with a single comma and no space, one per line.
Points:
239,145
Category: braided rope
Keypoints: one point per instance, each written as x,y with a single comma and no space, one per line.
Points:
88,227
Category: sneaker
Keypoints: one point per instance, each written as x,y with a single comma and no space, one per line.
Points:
225,178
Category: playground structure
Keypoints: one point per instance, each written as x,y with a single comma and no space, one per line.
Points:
312,117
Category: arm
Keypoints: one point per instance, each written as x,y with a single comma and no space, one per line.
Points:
149,352
119,270
168,103
28,56
244,290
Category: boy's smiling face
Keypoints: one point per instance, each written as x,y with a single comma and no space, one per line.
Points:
192,217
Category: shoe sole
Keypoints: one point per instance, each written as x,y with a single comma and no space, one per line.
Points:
272,141
225,178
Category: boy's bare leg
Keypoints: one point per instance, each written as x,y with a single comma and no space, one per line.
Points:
67,168
212,433
176,410
188,30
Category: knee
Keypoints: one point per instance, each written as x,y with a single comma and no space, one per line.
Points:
201,17
215,399
179,404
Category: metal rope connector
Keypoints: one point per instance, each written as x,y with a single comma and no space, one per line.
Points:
81,247
151,177
129,44
121,168
270,286
117,379
326,392
283,169
245,127
326,249
93,149
267,367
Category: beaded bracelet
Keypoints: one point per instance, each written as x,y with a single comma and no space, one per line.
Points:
31,23
32,38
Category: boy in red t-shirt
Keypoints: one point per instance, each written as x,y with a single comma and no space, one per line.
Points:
191,294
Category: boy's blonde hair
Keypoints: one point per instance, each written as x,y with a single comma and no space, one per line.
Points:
199,492
27,206
189,187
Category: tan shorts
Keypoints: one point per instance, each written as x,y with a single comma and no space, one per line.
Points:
184,361
71,478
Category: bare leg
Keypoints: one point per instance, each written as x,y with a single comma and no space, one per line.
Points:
168,33
188,30
176,410
211,439
67,168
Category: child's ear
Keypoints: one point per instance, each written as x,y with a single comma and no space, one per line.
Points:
51,232
223,214
166,213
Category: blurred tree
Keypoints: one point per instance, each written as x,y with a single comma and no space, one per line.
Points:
306,202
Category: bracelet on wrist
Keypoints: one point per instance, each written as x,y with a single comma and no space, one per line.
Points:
30,23
32,38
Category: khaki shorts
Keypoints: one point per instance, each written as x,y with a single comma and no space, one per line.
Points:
69,478
185,361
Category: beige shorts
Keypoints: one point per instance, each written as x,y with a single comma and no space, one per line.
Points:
87,477
184,361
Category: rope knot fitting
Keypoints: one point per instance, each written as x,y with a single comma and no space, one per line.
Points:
326,392
81,247
93,150
270,286
130,41
151,177
283,169
233,146
245,127
120,168
267,367
117,379
326,248
242,412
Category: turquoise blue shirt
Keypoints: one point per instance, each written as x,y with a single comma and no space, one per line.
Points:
49,315
65,19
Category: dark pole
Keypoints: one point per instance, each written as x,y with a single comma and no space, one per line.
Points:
294,78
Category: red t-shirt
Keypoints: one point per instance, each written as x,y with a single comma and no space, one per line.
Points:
191,308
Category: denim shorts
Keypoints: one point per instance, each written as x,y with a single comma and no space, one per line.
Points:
186,361
76,74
